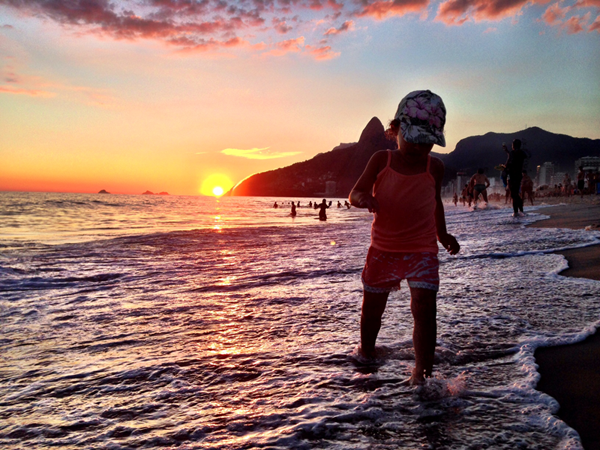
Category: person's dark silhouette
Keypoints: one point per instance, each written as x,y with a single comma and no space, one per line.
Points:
322,210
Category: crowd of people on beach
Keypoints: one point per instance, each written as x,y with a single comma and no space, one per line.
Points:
586,183
519,186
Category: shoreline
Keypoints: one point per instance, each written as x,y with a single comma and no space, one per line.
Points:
571,373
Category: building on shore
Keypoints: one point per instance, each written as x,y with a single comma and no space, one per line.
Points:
588,163
545,174
330,188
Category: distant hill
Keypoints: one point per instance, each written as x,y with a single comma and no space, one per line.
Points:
486,151
346,162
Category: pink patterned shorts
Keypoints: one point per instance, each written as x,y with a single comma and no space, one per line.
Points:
384,270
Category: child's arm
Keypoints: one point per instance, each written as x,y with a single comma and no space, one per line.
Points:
361,195
447,240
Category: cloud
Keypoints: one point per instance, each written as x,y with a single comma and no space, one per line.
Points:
576,24
257,153
322,53
229,26
587,4
457,12
281,25
21,82
206,25
288,46
346,26
554,14
383,9
23,91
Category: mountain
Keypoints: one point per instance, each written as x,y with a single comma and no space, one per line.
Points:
486,151
346,162
343,165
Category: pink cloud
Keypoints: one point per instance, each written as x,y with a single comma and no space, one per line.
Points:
193,26
21,91
346,26
292,45
576,24
177,23
457,12
322,53
335,5
281,26
288,46
587,4
382,9
211,45
554,14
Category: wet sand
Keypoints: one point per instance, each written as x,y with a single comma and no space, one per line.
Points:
571,373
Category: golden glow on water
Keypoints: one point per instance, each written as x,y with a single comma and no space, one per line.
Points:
227,281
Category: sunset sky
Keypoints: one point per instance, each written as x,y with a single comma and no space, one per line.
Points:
160,95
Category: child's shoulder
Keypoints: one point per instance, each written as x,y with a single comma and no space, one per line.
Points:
380,157
437,162
437,168
436,159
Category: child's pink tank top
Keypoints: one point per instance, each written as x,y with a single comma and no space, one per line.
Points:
406,218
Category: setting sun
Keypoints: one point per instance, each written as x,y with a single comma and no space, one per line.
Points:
216,185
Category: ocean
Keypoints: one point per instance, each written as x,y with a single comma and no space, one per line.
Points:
204,323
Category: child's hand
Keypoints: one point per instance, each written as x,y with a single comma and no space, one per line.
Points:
369,202
450,243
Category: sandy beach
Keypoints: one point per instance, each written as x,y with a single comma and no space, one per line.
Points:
571,373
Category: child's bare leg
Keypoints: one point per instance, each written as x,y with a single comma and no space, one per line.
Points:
423,307
370,321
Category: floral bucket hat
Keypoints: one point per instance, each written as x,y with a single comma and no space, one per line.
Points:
422,116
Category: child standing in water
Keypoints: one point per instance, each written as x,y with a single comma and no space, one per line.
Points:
403,189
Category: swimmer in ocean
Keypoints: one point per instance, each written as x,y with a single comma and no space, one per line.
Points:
323,210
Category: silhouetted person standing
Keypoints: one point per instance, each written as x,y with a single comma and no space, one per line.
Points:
323,209
514,168
581,180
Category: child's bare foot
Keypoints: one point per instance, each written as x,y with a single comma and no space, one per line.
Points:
366,354
417,378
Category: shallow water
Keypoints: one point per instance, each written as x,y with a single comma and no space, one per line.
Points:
136,321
